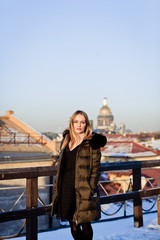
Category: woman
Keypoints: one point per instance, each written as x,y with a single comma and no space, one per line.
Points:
75,192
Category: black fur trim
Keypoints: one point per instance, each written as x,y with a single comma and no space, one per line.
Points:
98,141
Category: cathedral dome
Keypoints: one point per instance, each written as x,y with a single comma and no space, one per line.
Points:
105,110
105,119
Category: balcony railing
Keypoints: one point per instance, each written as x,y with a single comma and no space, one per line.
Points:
32,210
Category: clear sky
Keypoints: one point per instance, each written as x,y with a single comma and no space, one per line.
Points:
60,56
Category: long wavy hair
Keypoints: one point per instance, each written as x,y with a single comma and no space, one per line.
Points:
71,136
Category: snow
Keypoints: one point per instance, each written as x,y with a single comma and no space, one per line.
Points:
124,149
113,230
156,144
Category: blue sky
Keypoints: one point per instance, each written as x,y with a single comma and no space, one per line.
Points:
60,56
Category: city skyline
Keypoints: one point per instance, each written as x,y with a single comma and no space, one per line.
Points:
60,56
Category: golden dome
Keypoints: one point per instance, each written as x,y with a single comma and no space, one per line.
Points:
105,110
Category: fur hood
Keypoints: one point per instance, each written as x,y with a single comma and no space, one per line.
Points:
97,140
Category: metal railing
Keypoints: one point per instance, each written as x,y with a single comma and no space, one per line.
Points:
32,210
22,138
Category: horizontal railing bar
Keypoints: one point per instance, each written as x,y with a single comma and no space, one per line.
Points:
16,173
23,187
27,161
11,188
129,195
46,156
25,213
129,165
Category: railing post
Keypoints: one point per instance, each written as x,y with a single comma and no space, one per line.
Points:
158,208
138,216
31,202
28,138
50,199
158,203
125,209
14,138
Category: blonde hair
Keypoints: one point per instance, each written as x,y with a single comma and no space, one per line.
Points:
71,135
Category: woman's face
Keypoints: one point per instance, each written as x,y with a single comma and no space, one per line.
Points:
79,124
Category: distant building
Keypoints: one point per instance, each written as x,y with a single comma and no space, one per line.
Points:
127,150
20,141
105,119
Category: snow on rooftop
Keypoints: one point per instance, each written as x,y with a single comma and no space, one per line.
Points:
156,144
113,230
126,149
